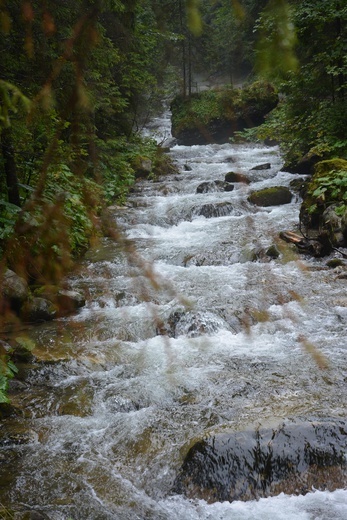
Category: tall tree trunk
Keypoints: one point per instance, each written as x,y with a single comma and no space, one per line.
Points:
10,167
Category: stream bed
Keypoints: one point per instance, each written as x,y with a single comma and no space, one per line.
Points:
189,329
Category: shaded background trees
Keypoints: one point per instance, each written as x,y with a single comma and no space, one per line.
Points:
79,79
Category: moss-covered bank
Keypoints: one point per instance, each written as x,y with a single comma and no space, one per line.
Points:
215,115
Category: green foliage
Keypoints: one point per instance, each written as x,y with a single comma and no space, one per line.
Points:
8,216
193,17
332,189
328,186
91,73
11,99
226,45
277,39
7,371
224,104
116,171
80,198
311,117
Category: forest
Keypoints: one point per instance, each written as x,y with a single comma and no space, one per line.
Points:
80,79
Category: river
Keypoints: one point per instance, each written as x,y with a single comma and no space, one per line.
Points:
196,332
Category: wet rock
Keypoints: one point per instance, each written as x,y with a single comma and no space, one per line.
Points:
236,177
5,348
220,209
272,252
237,320
265,166
274,196
39,309
193,324
210,187
6,410
299,186
187,168
66,301
14,289
228,186
69,301
14,433
248,465
335,225
305,165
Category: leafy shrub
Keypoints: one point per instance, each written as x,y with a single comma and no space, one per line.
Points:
8,216
328,186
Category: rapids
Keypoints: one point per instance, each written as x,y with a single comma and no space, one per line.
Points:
189,335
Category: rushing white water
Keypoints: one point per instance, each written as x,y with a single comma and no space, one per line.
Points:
208,341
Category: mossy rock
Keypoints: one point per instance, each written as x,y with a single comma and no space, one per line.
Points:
215,115
142,166
274,196
323,168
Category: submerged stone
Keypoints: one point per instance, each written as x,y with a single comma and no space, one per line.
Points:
265,166
293,459
221,209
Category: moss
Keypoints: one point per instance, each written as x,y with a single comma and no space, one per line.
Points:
274,196
335,262
329,166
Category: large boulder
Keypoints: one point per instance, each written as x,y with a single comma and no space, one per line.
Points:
246,465
38,309
274,196
14,289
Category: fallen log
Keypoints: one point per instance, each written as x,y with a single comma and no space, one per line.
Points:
317,247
